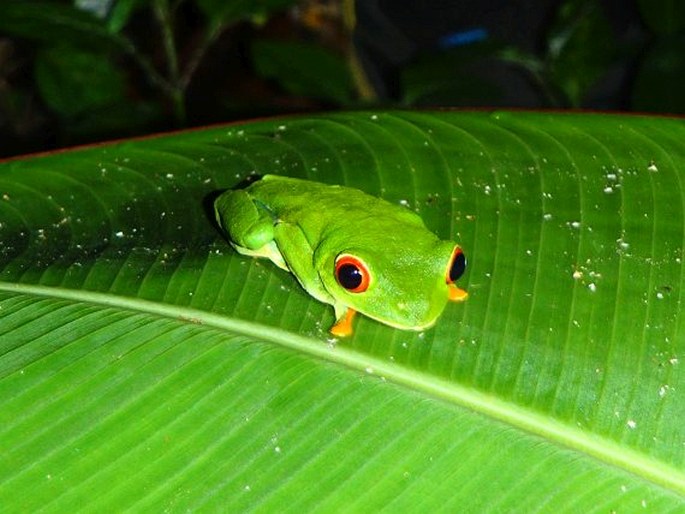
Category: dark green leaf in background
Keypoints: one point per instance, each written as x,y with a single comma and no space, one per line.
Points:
223,12
146,366
580,48
449,78
121,12
304,69
661,76
663,17
55,23
74,81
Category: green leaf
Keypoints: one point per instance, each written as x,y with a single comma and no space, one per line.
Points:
223,12
121,13
663,17
450,78
55,23
580,48
98,8
73,81
145,366
660,77
304,69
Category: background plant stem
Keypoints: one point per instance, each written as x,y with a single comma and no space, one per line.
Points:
177,90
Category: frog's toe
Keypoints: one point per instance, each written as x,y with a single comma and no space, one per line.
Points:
457,294
343,326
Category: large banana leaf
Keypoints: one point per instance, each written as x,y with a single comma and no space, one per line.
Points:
146,366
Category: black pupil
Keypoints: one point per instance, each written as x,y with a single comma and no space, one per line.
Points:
349,276
458,266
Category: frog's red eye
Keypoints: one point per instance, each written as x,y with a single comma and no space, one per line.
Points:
457,266
351,273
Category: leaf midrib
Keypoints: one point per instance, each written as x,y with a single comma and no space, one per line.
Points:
549,429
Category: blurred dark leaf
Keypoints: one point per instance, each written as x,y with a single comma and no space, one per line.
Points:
98,8
73,81
55,23
222,12
448,78
664,17
659,86
580,47
123,118
519,57
121,13
304,69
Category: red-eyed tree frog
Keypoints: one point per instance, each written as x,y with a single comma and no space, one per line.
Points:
346,248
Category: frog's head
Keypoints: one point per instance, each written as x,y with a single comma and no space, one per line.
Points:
404,286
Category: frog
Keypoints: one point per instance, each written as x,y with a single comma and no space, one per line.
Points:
346,248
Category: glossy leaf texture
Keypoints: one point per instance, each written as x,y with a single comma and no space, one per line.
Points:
144,365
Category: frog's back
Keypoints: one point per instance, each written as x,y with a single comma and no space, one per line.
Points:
298,200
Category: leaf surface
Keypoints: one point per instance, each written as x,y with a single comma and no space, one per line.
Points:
144,365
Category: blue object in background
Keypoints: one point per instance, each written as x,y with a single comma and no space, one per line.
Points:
463,37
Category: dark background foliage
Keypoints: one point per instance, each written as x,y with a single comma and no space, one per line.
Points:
85,70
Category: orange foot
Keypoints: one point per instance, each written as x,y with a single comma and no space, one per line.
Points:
343,326
456,294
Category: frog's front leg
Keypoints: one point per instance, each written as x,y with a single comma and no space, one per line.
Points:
250,227
299,254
